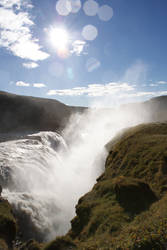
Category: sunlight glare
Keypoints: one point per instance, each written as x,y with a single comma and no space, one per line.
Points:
59,38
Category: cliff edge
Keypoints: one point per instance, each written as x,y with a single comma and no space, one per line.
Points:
127,207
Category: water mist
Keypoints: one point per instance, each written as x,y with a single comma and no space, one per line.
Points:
47,172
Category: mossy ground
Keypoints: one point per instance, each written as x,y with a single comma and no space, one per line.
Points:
142,153
30,245
127,208
3,245
8,226
61,243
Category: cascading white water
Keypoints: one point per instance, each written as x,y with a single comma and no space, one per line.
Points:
32,163
43,177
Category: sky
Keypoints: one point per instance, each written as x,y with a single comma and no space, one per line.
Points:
84,52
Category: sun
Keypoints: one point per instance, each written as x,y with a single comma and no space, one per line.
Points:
59,38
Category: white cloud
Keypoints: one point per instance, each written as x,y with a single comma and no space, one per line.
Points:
39,85
94,90
163,93
16,4
26,84
14,22
153,85
22,84
120,90
162,82
30,65
78,47
158,83
10,3
137,94
15,31
142,94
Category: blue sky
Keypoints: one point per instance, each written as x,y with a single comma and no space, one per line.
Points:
106,52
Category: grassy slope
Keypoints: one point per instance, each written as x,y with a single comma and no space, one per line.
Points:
8,226
127,208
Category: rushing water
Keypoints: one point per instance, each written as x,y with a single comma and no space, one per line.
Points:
30,168
44,174
43,179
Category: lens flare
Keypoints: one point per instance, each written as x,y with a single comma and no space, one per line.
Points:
105,13
63,7
92,64
90,8
89,32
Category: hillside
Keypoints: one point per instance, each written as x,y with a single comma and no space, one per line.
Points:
25,113
154,110
127,207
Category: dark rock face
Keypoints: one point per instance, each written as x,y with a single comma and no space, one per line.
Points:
61,243
133,194
0,190
5,177
79,222
22,113
30,245
8,227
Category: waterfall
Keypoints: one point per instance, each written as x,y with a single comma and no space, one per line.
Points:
44,174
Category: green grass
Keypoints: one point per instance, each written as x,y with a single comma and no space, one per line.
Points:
148,229
141,153
127,207
61,243
8,226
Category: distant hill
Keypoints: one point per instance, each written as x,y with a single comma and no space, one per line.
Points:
155,109
158,108
25,113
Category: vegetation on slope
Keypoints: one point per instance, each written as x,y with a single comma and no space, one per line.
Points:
8,226
127,208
